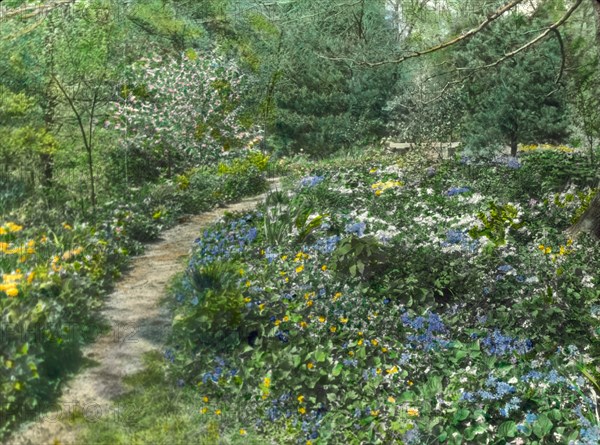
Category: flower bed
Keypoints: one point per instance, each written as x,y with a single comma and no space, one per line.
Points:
392,304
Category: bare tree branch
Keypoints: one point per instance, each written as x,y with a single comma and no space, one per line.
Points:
30,11
532,42
495,15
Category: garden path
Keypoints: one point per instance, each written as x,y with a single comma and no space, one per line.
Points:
138,324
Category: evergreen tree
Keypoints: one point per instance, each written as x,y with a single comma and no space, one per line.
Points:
517,101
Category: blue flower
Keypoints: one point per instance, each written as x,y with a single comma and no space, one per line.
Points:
530,417
412,437
457,190
513,163
311,181
500,345
357,229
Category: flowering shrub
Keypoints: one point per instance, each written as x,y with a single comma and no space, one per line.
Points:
183,111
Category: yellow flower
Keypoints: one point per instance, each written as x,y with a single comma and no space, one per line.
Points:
277,322
343,320
324,267
541,247
337,296
548,250
299,268
375,412
309,365
391,399
384,350
286,318
309,303
205,399
218,412
67,226
322,319
302,410
2,230
267,382
243,432
333,328
12,292
261,306
303,324
284,257
413,412
12,227
374,342
247,300
248,283
204,410
301,398
309,442
392,370
360,342
3,246
378,193
373,170
30,277
410,383
378,371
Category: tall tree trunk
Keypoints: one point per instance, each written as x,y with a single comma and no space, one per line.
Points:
590,220
514,144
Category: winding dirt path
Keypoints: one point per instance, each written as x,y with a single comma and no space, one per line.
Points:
138,324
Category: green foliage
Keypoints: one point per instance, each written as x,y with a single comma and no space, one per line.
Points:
496,223
363,258
215,312
285,223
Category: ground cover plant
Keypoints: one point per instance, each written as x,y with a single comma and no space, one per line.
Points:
346,310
